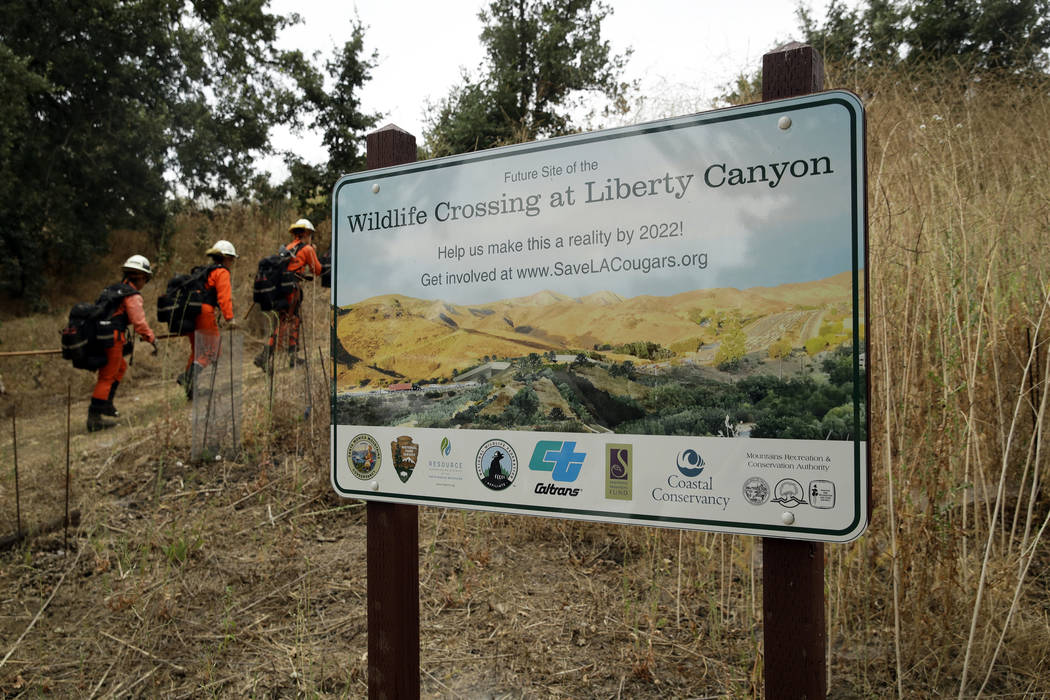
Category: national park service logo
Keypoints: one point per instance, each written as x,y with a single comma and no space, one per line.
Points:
405,454
362,456
496,464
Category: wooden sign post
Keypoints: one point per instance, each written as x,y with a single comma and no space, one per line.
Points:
793,622
393,534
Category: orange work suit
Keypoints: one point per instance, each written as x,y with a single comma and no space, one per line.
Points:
286,335
205,325
113,371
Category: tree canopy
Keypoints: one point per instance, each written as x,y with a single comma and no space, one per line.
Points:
1008,35
540,56
338,117
113,107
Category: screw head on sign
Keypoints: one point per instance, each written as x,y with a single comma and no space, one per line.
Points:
374,486
375,188
788,518
784,123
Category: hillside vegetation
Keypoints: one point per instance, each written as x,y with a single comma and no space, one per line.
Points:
247,578
416,338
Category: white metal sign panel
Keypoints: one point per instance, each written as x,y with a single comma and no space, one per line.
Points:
661,324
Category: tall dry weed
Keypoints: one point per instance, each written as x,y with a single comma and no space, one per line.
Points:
958,214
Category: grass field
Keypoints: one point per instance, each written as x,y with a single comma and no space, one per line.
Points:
246,578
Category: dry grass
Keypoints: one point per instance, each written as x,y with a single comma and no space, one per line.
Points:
247,578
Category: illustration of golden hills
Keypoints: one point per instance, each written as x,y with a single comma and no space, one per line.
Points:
393,338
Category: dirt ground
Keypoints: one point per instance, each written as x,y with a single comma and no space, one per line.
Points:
247,578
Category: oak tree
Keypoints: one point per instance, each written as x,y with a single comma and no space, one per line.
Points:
112,108
541,57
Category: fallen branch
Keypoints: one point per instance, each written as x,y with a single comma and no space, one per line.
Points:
131,646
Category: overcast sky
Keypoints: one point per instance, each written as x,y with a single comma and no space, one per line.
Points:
684,52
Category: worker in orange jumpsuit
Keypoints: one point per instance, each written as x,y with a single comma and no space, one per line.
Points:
217,308
126,301
304,262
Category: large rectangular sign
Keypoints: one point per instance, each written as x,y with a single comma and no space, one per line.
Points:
661,324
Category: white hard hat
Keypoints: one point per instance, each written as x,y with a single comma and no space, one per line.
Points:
302,224
222,248
138,263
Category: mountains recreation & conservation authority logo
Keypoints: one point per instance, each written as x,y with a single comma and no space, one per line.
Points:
496,464
362,456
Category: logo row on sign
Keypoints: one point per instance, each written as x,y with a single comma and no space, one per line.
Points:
560,461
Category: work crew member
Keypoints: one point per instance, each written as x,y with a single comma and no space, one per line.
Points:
217,308
304,261
136,273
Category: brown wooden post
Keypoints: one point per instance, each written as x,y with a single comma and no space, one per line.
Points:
393,534
794,628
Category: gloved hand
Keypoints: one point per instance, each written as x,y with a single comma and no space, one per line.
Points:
230,324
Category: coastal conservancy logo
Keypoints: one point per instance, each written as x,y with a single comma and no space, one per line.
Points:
496,464
690,463
562,461
685,486
405,454
619,472
362,456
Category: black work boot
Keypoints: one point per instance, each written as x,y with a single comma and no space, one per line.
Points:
263,358
189,379
96,419
108,409
293,356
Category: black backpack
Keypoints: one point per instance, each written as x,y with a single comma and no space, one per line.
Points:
89,331
180,304
326,270
273,281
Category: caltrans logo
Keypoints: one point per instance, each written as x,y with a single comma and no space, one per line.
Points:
563,463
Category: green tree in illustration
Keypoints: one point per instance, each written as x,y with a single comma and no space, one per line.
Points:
780,349
540,57
731,346
522,406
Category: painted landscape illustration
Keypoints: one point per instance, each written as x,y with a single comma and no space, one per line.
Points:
773,362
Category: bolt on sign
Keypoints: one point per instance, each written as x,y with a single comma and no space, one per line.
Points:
660,325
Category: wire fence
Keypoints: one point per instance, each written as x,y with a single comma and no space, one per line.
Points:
216,416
